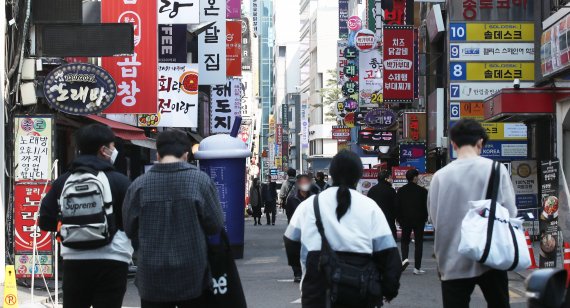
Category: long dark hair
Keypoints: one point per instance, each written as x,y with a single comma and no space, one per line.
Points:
346,171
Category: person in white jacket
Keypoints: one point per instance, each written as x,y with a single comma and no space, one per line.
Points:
466,179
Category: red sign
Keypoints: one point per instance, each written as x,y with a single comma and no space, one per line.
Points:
135,75
399,64
354,23
233,48
27,197
399,174
397,15
341,133
365,40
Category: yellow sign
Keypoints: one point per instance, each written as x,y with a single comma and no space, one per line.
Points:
500,71
503,32
506,131
10,289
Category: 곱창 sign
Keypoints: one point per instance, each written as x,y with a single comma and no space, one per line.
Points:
399,59
80,89
136,74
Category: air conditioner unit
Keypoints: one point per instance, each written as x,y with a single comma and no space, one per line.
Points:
28,94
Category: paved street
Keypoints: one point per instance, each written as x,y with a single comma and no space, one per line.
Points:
268,280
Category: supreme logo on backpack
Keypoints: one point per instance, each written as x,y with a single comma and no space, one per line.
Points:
86,219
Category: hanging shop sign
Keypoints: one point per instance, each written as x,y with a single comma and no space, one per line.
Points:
415,126
466,110
79,89
33,148
549,179
233,48
376,137
399,176
495,71
342,61
479,91
394,12
177,97
381,118
399,64
212,43
341,133
502,150
506,131
233,10
368,180
413,155
491,52
371,79
178,12
245,45
354,23
136,74
525,182
491,32
492,10
365,40
343,19
554,48
172,46
226,106
350,88
27,199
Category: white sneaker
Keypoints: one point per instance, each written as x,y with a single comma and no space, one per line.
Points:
405,264
419,271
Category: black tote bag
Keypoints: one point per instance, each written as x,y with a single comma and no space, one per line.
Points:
227,290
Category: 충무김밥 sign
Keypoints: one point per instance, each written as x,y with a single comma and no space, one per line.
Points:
80,88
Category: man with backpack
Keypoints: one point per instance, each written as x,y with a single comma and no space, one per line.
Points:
85,207
287,187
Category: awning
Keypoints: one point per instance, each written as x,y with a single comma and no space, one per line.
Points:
123,131
515,105
149,143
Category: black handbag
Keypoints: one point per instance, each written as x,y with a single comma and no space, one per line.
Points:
226,290
353,279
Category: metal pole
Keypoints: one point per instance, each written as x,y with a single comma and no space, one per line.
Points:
3,142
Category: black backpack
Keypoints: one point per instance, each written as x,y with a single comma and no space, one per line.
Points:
352,280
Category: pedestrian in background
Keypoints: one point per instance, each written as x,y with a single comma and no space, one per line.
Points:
269,194
302,193
412,215
315,189
170,211
466,179
320,181
287,187
95,275
385,196
354,226
256,201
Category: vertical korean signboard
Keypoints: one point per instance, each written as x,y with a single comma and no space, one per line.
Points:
226,106
212,43
27,197
177,97
370,78
33,148
233,48
549,176
136,74
177,12
399,64
524,176
394,12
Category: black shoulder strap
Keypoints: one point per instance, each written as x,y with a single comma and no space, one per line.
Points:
85,169
495,179
319,222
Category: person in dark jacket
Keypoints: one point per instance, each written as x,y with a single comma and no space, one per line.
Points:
353,224
302,193
93,277
320,181
256,201
412,214
269,193
170,211
385,196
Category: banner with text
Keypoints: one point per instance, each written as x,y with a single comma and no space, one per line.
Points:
399,64
212,43
226,106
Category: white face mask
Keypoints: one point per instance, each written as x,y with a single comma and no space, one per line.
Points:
305,187
113,156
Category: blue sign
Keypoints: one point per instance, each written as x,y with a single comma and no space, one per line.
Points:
413,155
458,71
80,88
457,32
343,19
526,201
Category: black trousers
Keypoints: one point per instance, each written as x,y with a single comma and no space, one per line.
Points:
97,283
494,284
418,230
193,303
270,213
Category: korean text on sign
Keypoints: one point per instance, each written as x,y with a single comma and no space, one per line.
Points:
226,106
398,64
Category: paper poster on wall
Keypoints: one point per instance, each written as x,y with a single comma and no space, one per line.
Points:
33,148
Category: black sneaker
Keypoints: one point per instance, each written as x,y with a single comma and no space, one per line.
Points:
405,264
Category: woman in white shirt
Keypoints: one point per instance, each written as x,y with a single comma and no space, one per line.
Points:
353,224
